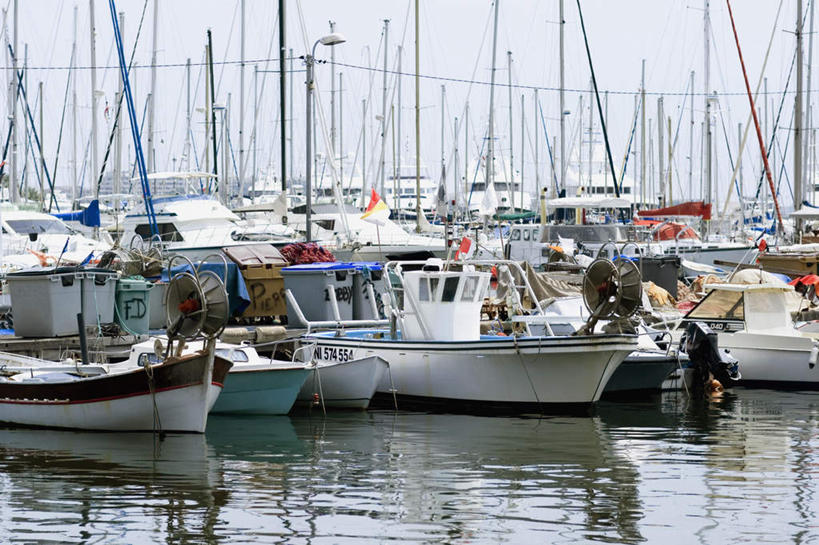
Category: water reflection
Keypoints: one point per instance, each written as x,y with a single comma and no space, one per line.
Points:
98,486
739,468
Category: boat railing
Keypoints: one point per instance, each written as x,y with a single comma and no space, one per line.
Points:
503,266
337,323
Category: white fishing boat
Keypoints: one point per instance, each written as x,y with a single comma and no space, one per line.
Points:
437,355
173,395
753,321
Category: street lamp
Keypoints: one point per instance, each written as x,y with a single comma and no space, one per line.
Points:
330,39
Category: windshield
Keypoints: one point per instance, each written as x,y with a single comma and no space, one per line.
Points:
39,226
720,305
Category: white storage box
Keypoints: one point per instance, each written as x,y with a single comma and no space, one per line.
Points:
45,303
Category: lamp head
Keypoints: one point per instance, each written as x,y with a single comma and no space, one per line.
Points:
333,39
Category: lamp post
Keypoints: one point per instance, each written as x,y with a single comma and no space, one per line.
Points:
330,39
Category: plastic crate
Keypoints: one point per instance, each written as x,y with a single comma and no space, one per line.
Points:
311,285
45,303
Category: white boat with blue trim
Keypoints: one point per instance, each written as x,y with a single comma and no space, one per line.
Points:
438,357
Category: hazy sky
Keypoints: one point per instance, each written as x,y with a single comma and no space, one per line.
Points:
455,43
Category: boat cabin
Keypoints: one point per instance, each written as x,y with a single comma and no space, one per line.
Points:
754,308
443,305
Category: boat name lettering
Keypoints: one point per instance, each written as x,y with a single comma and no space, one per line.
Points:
332,353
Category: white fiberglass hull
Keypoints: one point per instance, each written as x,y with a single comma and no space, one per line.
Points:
772,360
535,372
347,384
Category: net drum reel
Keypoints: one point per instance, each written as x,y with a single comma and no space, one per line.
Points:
611,290
196,301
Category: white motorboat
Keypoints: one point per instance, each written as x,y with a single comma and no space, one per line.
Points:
753,322
437,355
340,383
173,395
255,385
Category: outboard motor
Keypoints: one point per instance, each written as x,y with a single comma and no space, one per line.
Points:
700,343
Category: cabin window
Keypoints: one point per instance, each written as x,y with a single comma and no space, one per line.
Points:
236,356
423,289
39,225
433,287
719,305
450,289
167,232
470,288
527,235
516,234
148,358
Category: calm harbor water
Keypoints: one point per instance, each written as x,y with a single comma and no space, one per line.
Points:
744,468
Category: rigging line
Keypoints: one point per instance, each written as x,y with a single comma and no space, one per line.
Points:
734,166
62,121
147,65
540,87
775,127
549,147
599,104
117,116
227,48
749,119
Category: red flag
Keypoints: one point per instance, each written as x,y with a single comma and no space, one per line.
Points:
466,249
762,246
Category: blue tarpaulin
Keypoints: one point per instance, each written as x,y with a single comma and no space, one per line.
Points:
238,296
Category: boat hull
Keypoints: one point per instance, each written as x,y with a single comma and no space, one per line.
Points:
772,360
641,372
344,385
537,373
175,396
261,390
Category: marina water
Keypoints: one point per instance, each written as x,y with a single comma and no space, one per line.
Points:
741,468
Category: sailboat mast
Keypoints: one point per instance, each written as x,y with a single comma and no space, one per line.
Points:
537,143
707,122
562,105
283,98
398,122
466,160
187,149
443,125
798,114
13,192
417,119
152,100
119,122
661,151
522,147
93,31
241,170
511,184
74,173
643,136
332,96
384,108
490,145
691,141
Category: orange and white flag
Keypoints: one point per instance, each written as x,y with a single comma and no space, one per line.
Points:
466,249
377,211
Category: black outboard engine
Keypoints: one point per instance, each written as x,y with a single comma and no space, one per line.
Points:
702,347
